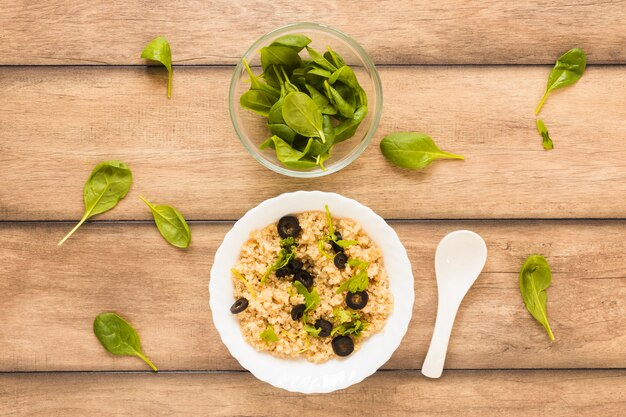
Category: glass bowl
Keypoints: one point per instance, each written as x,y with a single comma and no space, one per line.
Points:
251,128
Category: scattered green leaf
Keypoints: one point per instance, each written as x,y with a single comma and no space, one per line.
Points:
171,224
108,183
412,150
159,50
268,335
534,279
568,69
543,131
118,337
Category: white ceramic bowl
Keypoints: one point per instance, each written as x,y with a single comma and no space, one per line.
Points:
299,375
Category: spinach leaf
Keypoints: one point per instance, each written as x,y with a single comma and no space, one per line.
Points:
412,150
291,157
159,50
302,115
320,60
171,224
346,75
347,128
320,72
293,41
268,335
334,58
534,279
283,131
275,115
257,84
543,131
279,56
345,107
319,148
119,337
108,183
321,101
258,101
567,70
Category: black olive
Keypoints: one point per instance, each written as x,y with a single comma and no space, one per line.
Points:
343,345
304,277
288,226
326,327
284,271
340,260
297,311
295,265
357,300
239,306
335,246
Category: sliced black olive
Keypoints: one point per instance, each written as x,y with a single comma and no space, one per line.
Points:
335,246
304,277
295,265
326,327
239,306
343,345
340,260
357,300
283,272
288,226
297,311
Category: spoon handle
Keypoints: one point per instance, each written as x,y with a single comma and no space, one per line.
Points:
436,356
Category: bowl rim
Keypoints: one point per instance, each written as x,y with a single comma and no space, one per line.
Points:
357,151
299,375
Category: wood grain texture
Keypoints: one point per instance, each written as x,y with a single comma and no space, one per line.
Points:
52,294
393,32
397,393
57,123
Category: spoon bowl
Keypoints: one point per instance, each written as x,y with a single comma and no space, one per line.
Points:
459,259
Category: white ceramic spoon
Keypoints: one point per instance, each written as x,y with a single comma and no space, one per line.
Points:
459,259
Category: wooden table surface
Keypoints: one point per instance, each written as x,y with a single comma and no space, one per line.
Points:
74,91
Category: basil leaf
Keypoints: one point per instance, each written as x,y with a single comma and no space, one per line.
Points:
159,50
293,41
543,131
268,335
412,150
119,337
108,183
534,279
302,115
258,101
171,224
568,69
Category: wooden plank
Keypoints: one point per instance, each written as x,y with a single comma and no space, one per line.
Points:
406,393
393,32
51,294
57,123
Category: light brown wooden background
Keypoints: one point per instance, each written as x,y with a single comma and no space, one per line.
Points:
74,92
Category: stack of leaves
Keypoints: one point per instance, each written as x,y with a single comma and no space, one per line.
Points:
310,104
